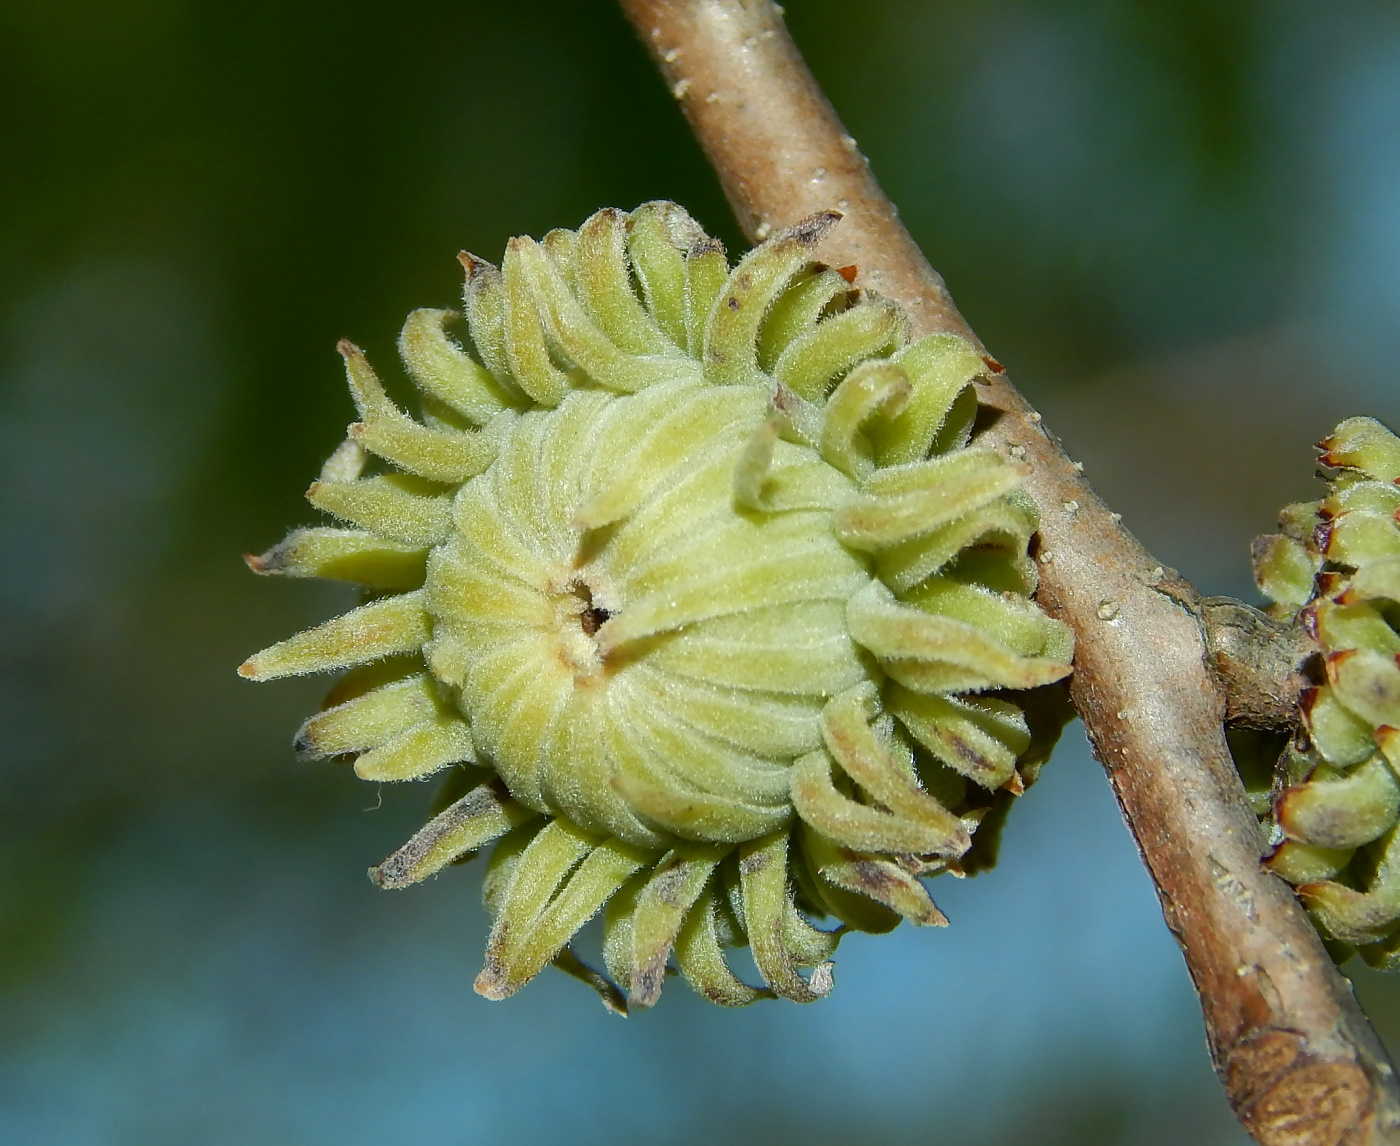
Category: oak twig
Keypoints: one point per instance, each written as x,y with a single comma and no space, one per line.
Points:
1299,1061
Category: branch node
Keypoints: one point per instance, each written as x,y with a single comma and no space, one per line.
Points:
1260,663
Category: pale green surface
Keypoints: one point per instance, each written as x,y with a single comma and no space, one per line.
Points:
652,604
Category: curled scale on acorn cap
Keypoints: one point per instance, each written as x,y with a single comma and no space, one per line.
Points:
690,583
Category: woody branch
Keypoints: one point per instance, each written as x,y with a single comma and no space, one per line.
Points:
1299,1060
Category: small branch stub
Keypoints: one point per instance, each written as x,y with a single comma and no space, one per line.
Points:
1259,662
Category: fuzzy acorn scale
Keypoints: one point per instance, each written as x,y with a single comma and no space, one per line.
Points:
689,581
1334,806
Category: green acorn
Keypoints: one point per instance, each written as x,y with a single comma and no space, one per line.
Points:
1336,801
690,581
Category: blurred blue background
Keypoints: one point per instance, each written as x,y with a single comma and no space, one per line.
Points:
1177,221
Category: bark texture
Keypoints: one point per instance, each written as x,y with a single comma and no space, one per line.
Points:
1299,1061
1260,662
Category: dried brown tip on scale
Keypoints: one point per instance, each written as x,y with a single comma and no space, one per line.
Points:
492,982
888,883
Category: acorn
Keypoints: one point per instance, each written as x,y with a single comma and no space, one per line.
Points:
691,582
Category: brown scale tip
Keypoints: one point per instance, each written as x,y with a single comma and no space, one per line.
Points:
1322,537
1307,617
473,264
645,988
393,874
1327,583
492,982
1307,699
848,273
347,349
248,670
256,562
993,365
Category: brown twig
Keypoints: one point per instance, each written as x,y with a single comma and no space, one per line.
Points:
1298,1058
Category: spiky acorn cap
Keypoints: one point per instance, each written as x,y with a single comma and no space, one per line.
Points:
690,576
1336,801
